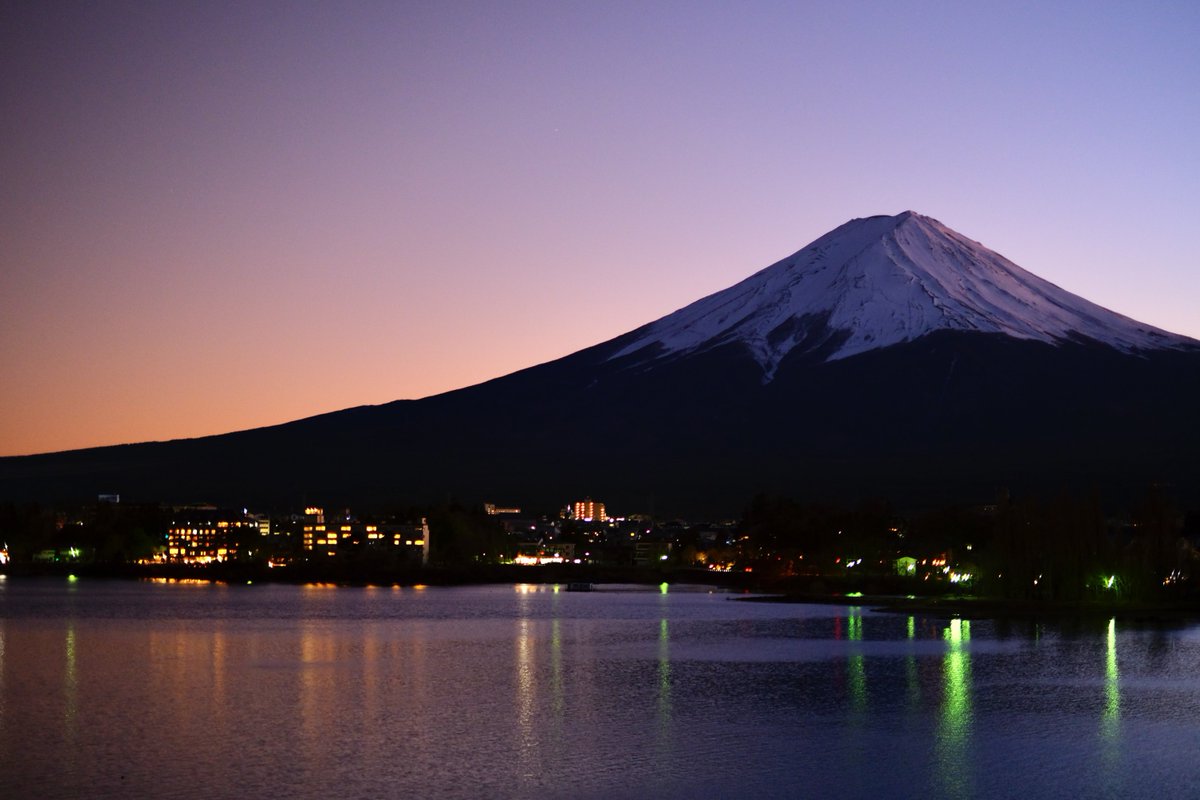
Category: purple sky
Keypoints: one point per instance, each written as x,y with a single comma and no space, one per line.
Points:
216,216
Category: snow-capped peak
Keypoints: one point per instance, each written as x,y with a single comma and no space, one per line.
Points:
880,281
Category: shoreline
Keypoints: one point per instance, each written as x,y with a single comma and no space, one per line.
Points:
366,575
754,590
980,608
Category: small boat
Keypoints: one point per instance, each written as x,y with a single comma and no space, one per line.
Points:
579,586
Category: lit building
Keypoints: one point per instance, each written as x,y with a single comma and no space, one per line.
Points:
321,537
263,522
589,510
491,509
534,553
315,534
412,538
204,534
649,551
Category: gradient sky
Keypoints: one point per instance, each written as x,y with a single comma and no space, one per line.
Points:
216,216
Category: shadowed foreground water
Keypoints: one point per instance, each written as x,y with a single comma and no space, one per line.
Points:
176,690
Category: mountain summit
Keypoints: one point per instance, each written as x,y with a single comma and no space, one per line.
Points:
880,281
890,358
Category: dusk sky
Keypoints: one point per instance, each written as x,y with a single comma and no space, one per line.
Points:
216,216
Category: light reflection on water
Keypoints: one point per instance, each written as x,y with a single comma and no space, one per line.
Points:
183,691
954,729
1112,683
3,694
856,661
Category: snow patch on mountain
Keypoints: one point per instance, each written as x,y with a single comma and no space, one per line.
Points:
880,281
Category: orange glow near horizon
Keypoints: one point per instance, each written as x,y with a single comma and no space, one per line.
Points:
97,413
232,237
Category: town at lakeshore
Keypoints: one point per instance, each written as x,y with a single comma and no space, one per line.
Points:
1063,552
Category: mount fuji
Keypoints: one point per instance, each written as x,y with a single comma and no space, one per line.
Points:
891,357
882,281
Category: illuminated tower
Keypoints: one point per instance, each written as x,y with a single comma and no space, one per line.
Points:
589,510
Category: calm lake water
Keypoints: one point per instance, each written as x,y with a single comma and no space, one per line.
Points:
112,689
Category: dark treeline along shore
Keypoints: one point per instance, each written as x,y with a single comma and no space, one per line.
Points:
1064,552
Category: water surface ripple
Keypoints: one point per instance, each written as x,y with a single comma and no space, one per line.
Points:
112,689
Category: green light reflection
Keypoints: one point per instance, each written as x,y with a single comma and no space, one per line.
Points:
556,670
858,682
70,684
912,682
664,739
1112,684
69,671
70,694
856,665
664,672
954,729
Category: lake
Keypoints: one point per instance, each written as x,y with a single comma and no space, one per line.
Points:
163,690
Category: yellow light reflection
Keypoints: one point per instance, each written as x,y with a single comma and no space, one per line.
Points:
558,694
316,690
372,653
527,749
218,670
